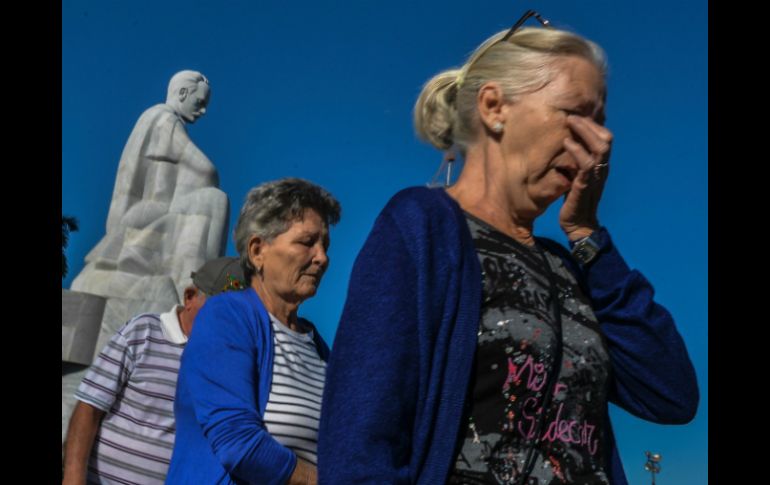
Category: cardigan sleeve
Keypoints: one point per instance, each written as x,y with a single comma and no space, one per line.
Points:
369,396
653,377
220,365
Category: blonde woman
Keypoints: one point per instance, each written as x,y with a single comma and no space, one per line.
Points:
471,351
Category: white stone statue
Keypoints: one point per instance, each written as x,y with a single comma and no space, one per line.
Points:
167,215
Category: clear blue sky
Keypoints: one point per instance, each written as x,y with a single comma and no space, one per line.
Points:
324,91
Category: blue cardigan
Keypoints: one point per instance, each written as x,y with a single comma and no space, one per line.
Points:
397,378
222,391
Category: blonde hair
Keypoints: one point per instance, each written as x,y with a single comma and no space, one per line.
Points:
446,114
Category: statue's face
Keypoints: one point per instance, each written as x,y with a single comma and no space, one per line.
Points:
193,106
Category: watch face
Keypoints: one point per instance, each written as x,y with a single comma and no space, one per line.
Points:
585,250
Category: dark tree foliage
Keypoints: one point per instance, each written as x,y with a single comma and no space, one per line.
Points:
68,224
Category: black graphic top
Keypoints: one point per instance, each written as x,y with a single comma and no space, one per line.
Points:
514,356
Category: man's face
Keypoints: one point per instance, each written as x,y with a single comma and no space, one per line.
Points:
193,302
193,105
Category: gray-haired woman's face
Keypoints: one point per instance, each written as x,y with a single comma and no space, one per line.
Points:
294,262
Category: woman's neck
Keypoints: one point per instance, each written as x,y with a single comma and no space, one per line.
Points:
284,311
480,190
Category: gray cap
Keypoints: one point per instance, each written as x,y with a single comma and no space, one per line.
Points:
218,275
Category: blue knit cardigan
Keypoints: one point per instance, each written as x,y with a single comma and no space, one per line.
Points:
222,391
398,374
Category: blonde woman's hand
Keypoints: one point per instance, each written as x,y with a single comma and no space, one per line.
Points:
578,214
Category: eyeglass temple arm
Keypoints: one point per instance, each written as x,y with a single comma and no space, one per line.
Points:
527,15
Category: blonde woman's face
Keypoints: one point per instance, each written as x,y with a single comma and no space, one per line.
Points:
537,164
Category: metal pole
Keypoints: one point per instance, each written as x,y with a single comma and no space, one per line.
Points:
653,464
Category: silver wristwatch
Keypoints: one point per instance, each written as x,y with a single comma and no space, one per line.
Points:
585,250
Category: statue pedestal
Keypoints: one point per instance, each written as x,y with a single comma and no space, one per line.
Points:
88,323
81,319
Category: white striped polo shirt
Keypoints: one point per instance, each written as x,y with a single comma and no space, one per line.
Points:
294,404
133,380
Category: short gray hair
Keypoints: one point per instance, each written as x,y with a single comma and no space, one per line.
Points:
185,79
271,207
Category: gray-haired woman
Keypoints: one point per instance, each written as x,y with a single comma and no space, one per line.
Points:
250,384
497,351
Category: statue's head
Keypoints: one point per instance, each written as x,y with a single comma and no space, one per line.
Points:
188,94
